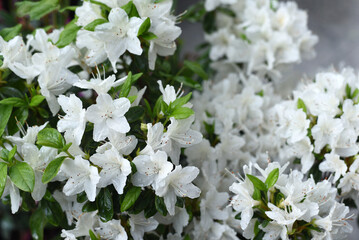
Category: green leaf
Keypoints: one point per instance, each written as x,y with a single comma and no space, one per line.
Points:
126,87
52,169
93,236
148,36
9,33
160,205
92,25
301,105
130,198
272,178
36,10
105,204
13,101
130,9
36,100
5,111
12,154
179,102
132,98
3,176
68,35
71,8
257,183
188,82
53,212
256,194
134,114
196,68
89,207
23,176
145,26
50,137
182,113
81,197
348,91
37,224
4,154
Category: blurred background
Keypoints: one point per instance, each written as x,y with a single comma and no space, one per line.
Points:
335,22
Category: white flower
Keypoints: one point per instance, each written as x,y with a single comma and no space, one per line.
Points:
28,137
81,177
139,225
111,230
87,13
178,183
284,216
115,169
179,220
38,160
151,168
179,135
154,136
69,205
333,163
99,85
326,131
14,192
119,35
84,224
74,122
169,93
164,44
212,207
124,144
95,46
108,115
243,201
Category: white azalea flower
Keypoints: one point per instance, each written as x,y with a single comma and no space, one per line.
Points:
69,205
333,163
115,169
38,160
154,137
111,230
179,135
212,207
87,13
29,136
151,168
108,115
15,197
326,131
119,35
84,224
178,183
139,225
101,86
81,177
74,122
124,144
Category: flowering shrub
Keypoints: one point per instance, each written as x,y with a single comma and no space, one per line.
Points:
101,138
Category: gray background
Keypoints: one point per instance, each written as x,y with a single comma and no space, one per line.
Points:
335,22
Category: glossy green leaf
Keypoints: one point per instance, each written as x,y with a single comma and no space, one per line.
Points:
37,224
50,137
4,116
38,9
182,113
130,198
13,101
36,100
272,178
52,169
145,26
257,183
23,176
3,177
68,35
126,87
9,33
134,114
105,204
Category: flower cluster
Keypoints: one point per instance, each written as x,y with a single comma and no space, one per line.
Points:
319,126
275,205
261,36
